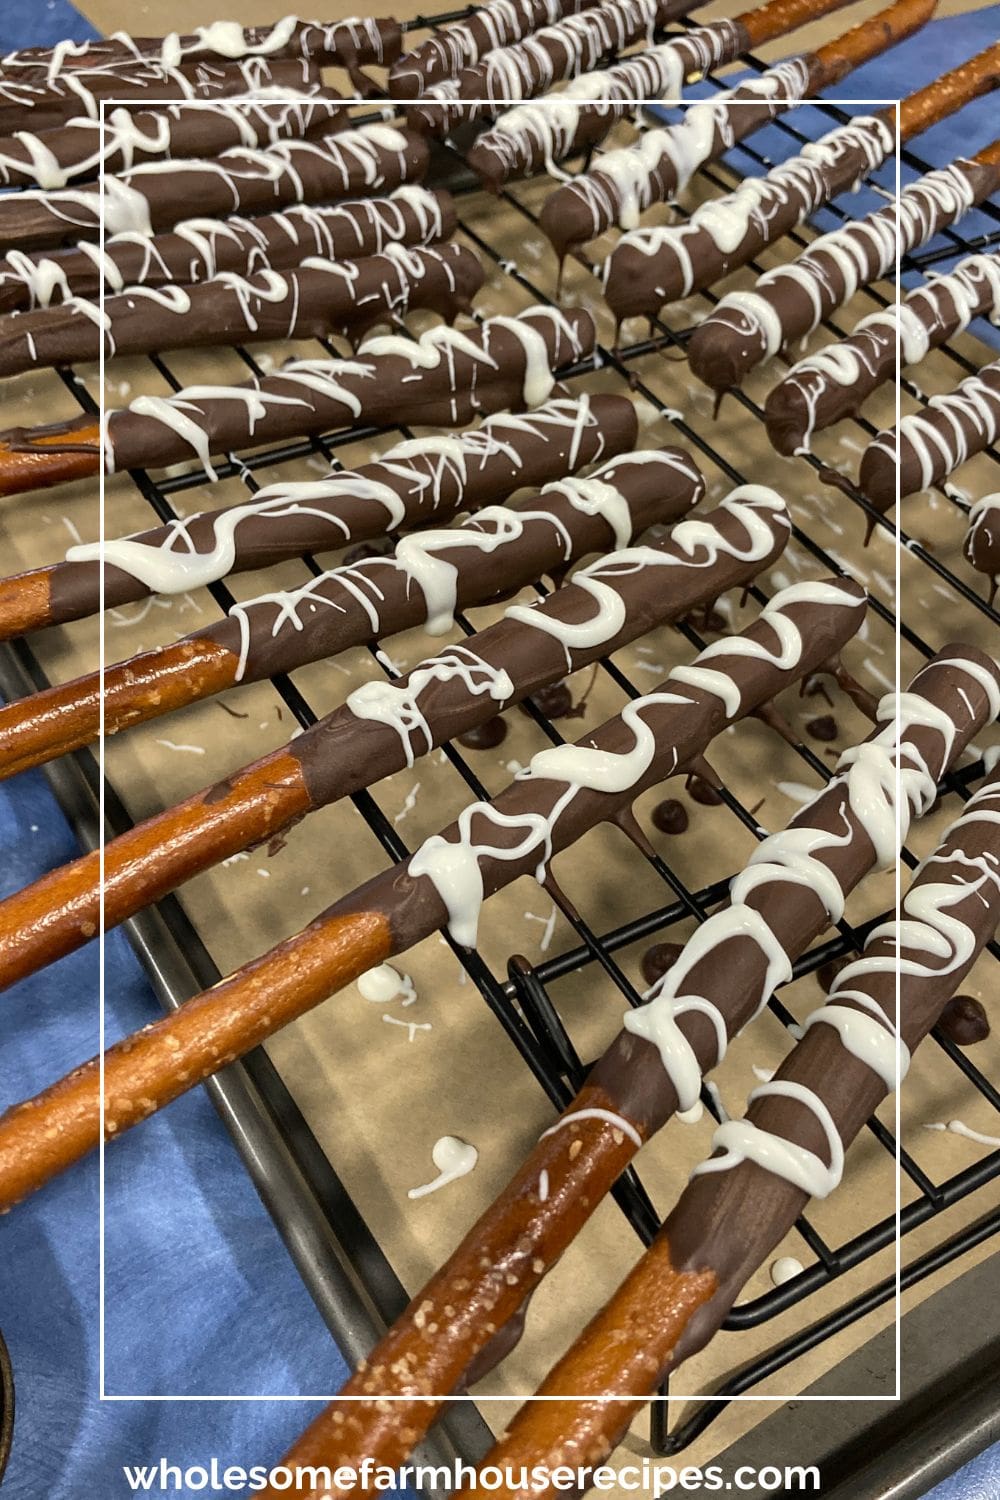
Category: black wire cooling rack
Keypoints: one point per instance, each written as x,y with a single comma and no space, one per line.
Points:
346,1271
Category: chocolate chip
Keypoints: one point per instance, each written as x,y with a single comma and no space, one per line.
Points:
669,816
964,1021
485,736
700,790
365,550
658,959
823,728
554,701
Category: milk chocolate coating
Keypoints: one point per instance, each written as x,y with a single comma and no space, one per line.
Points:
37,103
827,387
503,455
342,748
662,161
79,150
327,297
982,540
499,23
651,267
528,138
930,444
372,159
733,972
573,46
261,630
788,302
733,1220
200,248
344,43
480,372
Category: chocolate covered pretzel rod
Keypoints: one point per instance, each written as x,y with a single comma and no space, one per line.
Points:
428,577
82,149
565,792
48,104
200,248
623,183
788,302
347,44
499,23
793,887
421,480
540,134
565,50
318,298
441,379
384,726
832,384
157,195
929,445
982,540
649,268
744,1199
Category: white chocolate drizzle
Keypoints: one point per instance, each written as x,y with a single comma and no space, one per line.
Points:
608,1116
453,1158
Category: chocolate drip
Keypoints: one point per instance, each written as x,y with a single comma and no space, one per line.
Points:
788,302
731,1219
622,184
442,379
834,383
82,149
929,445
413,483
542,133
566,50
320,298
346,43
499,23
158,195
651,267
982,540
47,104
200,248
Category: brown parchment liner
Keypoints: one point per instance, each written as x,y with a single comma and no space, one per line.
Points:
378,1100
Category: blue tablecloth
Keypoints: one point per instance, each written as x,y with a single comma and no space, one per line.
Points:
201,1296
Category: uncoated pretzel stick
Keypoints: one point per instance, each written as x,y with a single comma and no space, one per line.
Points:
733,961
569,790
741,1203
385,726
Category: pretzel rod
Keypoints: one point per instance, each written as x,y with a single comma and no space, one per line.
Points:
834,383
346,44
929,445
565,50
431,574
788,302
157,195
385,726
791,890
414,482
441,379
982,540
566,791
497,24
651,267
622,183
318,298
743,1200
535,135
84,148
200,248
47,105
